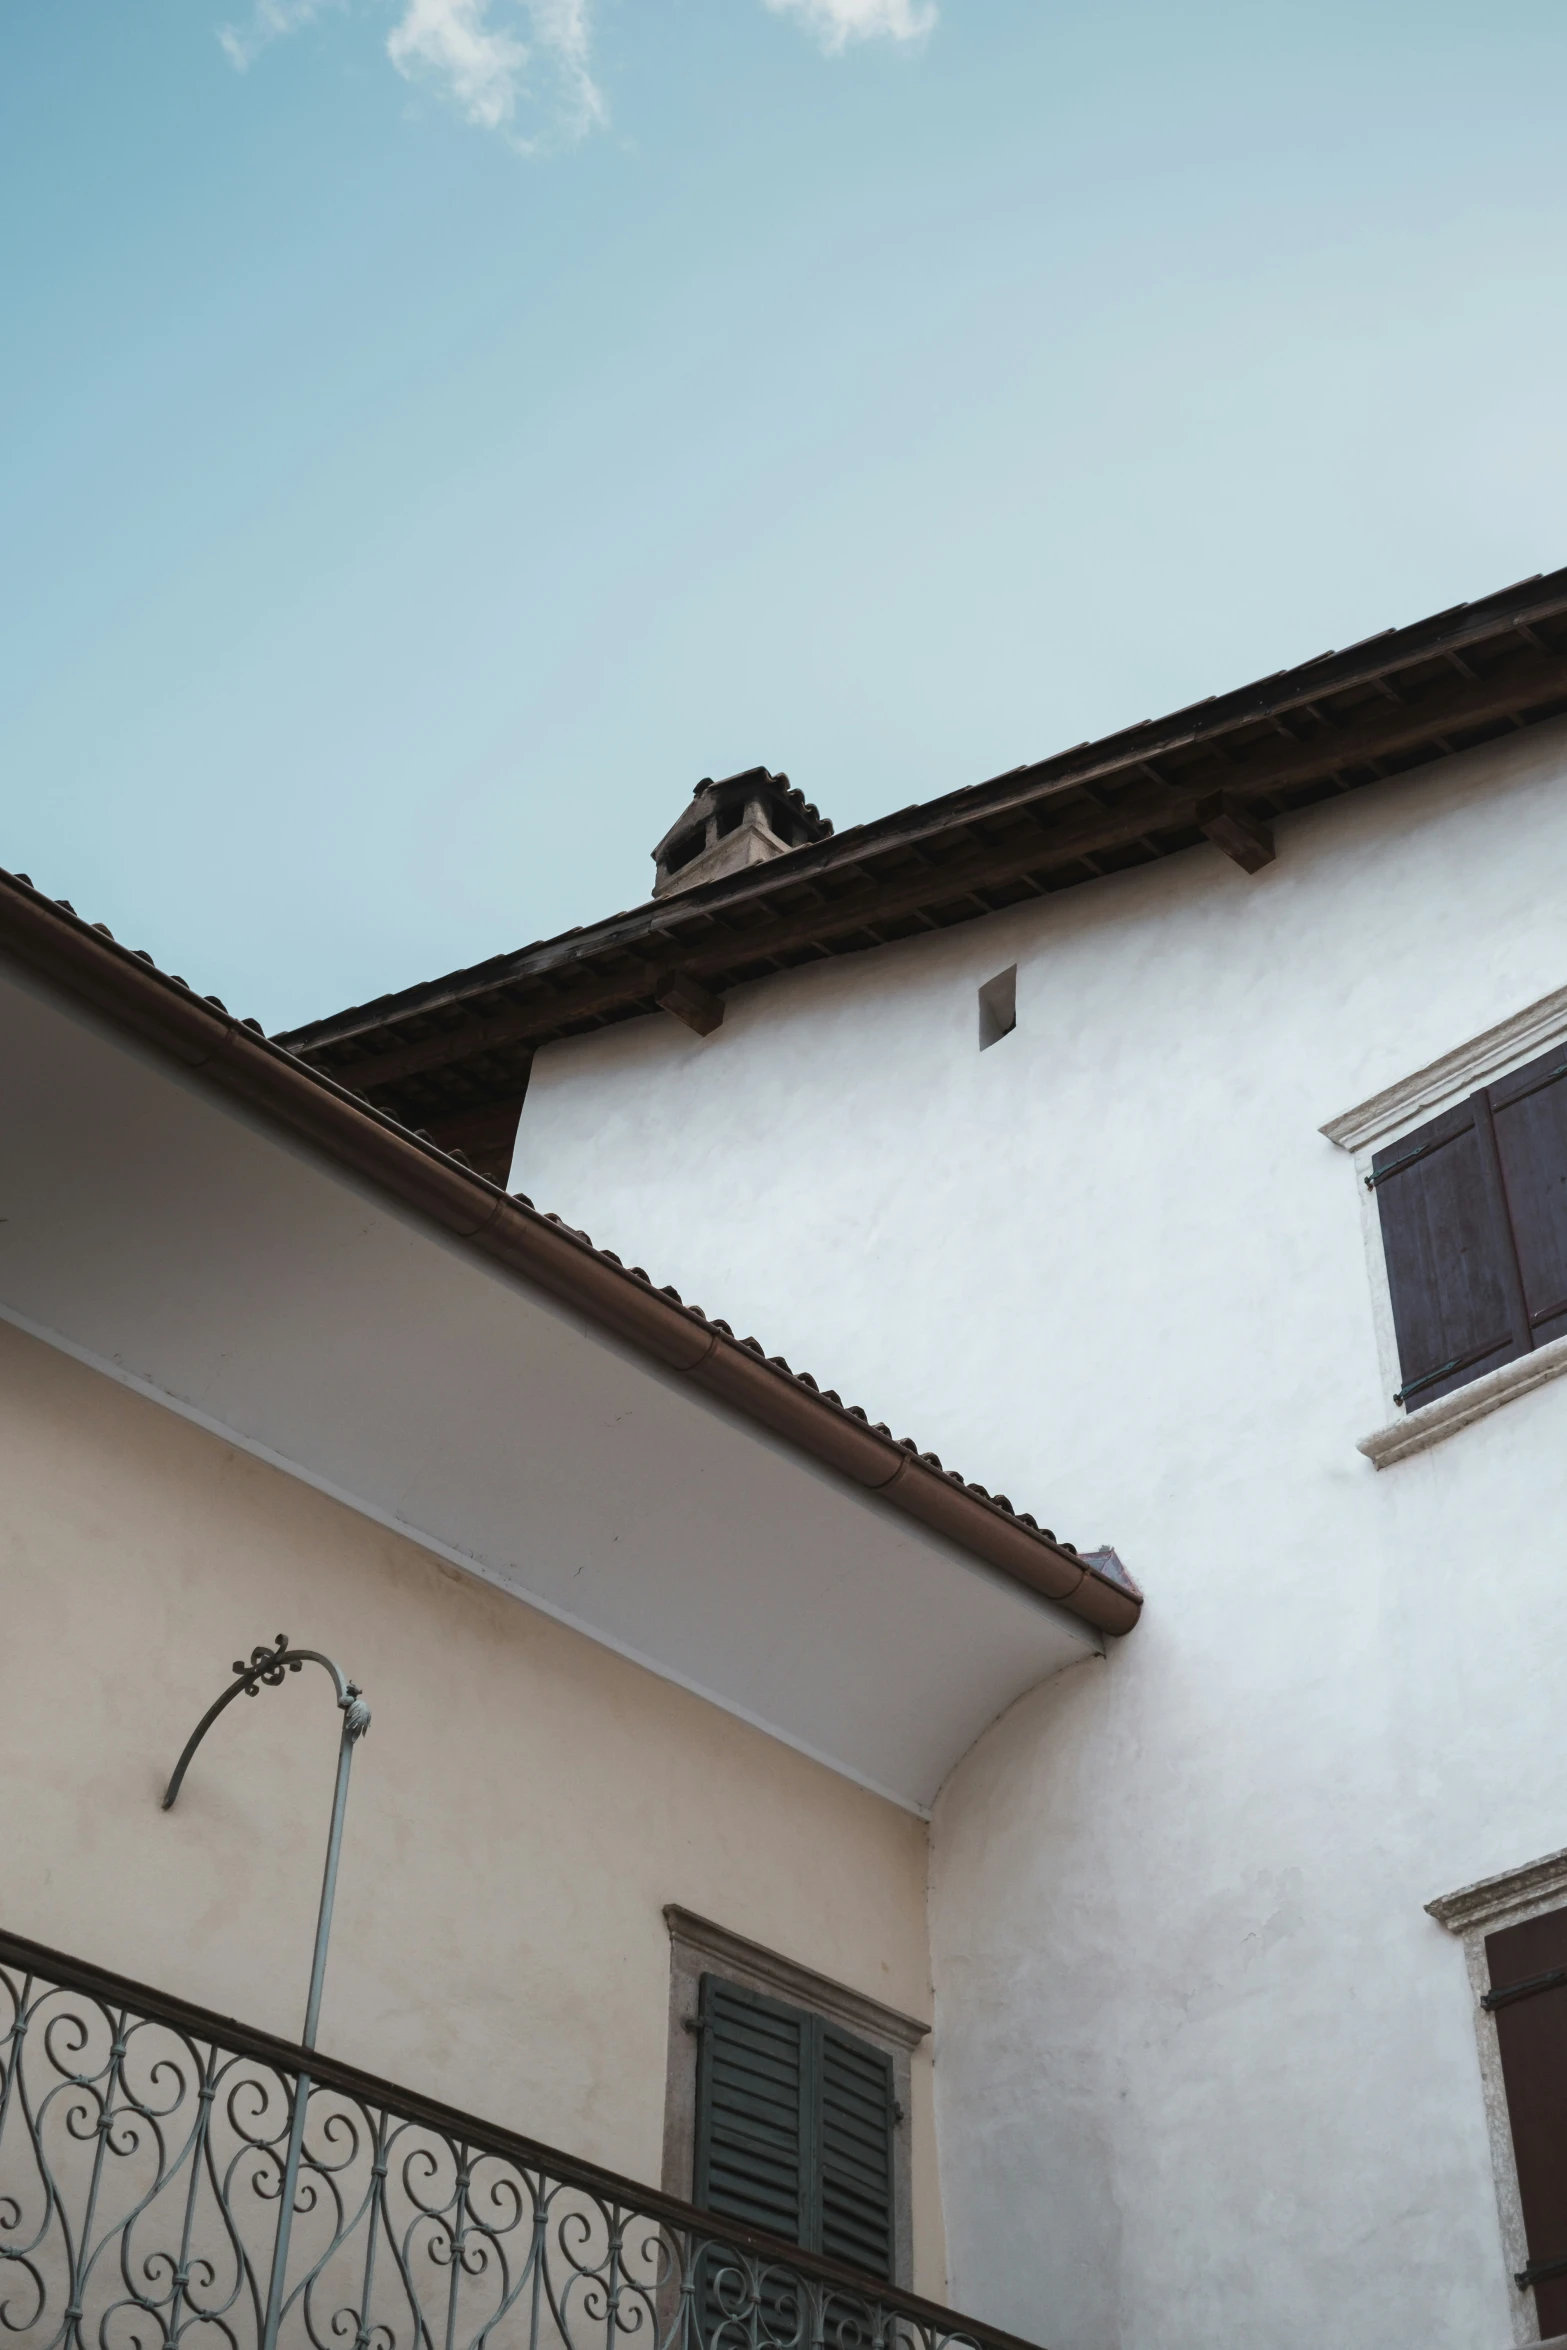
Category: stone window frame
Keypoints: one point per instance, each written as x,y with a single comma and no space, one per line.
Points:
1363,1131
698,1947
1470,1914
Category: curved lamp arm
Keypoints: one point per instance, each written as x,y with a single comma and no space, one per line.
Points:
267,1665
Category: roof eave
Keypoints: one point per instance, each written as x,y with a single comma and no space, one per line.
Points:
199,1035
463,1041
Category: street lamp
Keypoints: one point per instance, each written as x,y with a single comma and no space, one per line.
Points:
266,1668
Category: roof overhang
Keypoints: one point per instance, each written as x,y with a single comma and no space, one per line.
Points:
172,1219
453,1056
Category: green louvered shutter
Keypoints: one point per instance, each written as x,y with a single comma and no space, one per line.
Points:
794,2127
754,2150
856,2152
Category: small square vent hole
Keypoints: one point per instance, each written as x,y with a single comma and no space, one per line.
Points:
997,1008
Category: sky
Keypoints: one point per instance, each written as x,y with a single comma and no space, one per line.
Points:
436,433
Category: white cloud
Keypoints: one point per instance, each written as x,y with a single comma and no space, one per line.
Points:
490,57
270,20
477,64
486,63
562,30
485,69
838,22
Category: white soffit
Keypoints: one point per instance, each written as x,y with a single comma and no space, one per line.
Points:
167,1238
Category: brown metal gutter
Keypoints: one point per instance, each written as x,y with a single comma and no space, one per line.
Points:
233,1057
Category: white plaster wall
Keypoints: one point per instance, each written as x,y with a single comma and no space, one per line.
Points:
1205,2070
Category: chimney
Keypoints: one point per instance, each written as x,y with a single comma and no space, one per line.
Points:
743,820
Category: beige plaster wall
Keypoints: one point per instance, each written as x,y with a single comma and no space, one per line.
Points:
524,1806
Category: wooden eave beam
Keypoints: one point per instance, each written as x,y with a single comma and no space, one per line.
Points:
1236,831
695,1006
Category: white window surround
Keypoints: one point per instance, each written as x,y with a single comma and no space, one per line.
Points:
1472,1913
1363,1131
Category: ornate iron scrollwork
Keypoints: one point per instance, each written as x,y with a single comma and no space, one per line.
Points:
144,2147
274,1659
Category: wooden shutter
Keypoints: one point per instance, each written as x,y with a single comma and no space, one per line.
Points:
1458,1304
1529,1110
1528,1997
856,2153
755,2156
794,2127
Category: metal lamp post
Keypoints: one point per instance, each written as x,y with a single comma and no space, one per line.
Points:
267,1666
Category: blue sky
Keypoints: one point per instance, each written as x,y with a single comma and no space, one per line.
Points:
435,433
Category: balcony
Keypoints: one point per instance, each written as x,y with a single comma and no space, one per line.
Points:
146,2202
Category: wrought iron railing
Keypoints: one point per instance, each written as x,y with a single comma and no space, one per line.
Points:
143,2146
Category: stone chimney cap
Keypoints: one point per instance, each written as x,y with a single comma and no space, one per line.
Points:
740,820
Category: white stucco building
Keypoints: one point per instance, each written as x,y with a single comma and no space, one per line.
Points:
1210,2064
1175,1135
1075,1182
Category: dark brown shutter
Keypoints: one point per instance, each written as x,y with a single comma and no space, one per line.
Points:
1458,1304
1529,1109
1528,1996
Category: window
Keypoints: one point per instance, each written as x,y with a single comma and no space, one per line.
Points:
1527,1998
789,2099
1473,1210
794,2123
1514,1931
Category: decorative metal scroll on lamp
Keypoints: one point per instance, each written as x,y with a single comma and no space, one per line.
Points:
267,1667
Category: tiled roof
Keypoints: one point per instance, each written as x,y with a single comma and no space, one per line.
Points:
235,1057
1116,1573
1219,773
